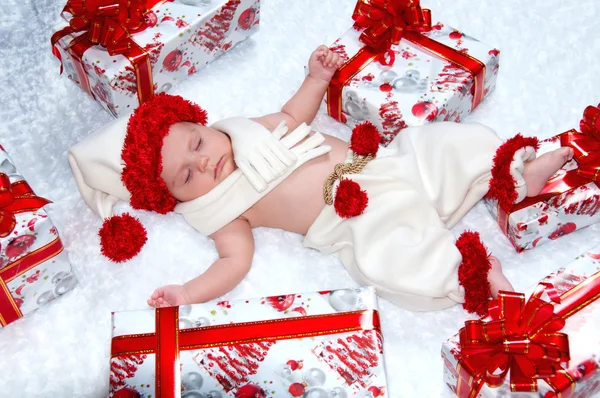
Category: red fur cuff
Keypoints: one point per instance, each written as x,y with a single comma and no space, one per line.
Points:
502,183
473,272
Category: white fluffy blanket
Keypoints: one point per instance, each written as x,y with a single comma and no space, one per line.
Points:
548,74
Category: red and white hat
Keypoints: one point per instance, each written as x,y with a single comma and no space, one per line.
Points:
122,161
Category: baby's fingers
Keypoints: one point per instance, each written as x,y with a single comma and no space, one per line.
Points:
328,59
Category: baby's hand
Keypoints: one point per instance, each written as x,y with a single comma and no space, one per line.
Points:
323,63
168,296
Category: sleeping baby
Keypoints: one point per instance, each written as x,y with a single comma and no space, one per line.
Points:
384,211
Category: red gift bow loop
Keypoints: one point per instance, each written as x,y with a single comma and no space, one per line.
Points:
518,336
586,144
387,20
15,198
385,23
109,23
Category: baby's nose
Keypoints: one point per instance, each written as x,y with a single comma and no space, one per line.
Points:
202,163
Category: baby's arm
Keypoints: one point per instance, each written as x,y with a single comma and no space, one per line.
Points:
303,106
235,245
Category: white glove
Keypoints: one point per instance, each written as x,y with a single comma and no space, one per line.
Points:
259,154
264,156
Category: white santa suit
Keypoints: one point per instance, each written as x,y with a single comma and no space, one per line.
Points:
418,187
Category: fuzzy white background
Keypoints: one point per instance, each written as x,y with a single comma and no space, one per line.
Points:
548,74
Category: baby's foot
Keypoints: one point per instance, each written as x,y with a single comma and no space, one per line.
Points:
497,279
538,171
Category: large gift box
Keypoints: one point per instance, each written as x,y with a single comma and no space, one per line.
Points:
545,346
571,198
401,70
34,268
325,344
121,53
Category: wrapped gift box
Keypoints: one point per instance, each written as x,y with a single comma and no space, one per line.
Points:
34,268
315,344
571,198
419,80
573,294
179,39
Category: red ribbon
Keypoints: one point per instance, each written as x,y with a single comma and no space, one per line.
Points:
586,146
16,198
9,310
168,340
386,23
110,24
523,339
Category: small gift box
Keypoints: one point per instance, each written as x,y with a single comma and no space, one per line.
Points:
34,269
121,53
298,345
401,70
548,344
571,198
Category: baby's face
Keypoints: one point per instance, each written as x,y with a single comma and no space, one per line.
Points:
195,159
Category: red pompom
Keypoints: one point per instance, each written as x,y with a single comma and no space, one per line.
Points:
122,237
502,183
365,139
350,200
473,272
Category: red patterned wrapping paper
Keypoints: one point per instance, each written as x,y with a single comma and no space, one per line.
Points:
34,269
321,344
403,70
571,198
565,354
122,53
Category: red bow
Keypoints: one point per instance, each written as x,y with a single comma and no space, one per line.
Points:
109,23
587,144
518,336
387,20
17,197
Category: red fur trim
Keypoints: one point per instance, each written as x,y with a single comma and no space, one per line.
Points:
141,154
473,272
365,139
502,183
122,237
350,200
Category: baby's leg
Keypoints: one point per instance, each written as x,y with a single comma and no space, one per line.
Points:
497,279
537,172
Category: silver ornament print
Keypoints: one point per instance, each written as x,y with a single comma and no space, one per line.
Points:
65,285
411,82
315,377
192,394
387,76
192,381
185,323
316,392
338,392
59,276
185,310
201,322
343,300
45,297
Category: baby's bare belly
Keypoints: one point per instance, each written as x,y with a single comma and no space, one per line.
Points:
295,204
